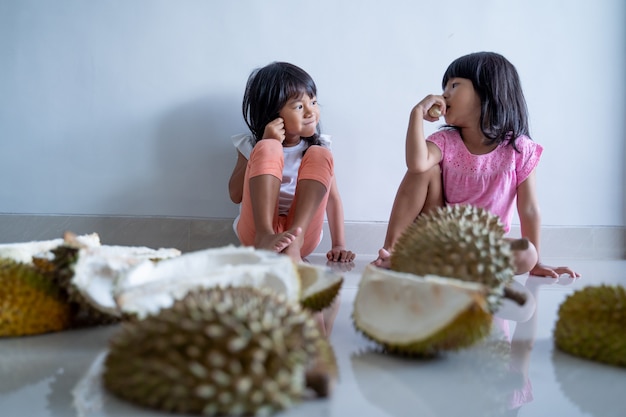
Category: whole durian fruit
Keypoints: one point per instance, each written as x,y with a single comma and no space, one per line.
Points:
232,351
420,315
462,242
30,303
591,324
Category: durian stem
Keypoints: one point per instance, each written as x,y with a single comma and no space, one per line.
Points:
319,379
515,296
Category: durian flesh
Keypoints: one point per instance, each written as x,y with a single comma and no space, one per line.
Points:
25,251
149,287
591,324
420,315
226,351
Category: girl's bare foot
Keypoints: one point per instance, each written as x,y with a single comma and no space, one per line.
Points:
277,242
294,248
384,259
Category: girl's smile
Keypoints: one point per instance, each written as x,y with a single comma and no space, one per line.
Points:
301,116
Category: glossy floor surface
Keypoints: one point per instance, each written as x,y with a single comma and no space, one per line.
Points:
516,372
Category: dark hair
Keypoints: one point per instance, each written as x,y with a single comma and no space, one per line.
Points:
503,113
268,89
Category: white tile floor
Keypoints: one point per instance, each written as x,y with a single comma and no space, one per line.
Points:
43,376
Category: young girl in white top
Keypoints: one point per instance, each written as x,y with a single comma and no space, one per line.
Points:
483,156
284,174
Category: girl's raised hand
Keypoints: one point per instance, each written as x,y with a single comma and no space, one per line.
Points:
275,130
428,106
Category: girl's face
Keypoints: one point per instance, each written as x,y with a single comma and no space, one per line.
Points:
462,103
301,116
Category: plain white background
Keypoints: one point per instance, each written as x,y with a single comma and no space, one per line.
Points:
125,107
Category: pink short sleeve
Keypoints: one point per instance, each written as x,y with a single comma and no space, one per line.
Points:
527,159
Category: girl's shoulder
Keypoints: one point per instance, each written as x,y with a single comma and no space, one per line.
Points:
325,141
244,142
445,134
446,138
524,144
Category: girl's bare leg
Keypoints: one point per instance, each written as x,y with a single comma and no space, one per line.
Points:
264,191
310,194
417,194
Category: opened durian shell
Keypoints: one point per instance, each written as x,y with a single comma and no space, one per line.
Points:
149,287
25,251
420,315
89,275
320,286
462,242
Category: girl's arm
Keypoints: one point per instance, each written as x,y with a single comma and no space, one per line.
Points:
334,214
235,184
530,223
420,155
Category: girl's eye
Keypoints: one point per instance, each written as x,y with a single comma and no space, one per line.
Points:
314,103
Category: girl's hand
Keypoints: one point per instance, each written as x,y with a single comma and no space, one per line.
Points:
340,254
427,103
542,270
275,130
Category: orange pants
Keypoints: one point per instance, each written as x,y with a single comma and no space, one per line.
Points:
267,158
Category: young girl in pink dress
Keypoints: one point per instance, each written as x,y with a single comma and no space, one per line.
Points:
284,174
483,156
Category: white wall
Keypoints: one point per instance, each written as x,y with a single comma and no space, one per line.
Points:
125,107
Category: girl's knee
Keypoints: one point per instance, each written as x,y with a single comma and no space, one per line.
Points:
318,153
524,260
266,148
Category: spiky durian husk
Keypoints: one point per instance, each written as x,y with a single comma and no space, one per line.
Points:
30,303
320,286
462,242
321,300
441,313
592,324
235,350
